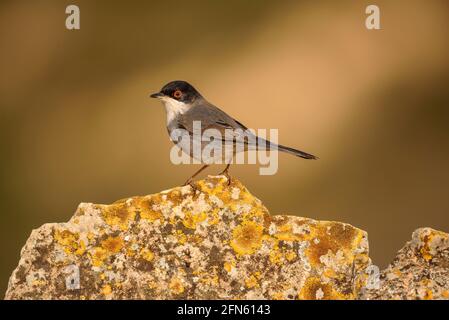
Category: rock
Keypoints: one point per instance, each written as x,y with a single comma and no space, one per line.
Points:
419,271
219,243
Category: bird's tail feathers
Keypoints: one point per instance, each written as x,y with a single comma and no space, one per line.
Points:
297,153
263,144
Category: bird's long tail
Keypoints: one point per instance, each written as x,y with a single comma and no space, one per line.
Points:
297,153
263,144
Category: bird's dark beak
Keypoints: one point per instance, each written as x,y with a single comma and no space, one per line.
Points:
157,95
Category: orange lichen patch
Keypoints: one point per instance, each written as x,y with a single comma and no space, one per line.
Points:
109,246
180,236
213,217
219,187
192,219
191,238
343,234
97,256
38,283
445,294
106,290
175,197
216,188
290,255
146,254
70,242
425,249
119,215
255,213
284,233
210,280
314,289
428,239
329,273
145,208
275,256
228,266
176,286
151,215
112,244
332,236
252,282
278,296
247,237
152,284
428,295
131,249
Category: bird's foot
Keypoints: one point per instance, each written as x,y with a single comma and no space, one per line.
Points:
227,175
192,185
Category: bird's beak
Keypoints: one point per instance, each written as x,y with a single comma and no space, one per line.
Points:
157,95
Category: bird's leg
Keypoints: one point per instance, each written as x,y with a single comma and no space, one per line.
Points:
226,173
189,181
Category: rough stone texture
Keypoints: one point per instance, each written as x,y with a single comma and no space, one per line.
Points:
217,243
419,271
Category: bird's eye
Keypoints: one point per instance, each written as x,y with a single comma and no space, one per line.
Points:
177,94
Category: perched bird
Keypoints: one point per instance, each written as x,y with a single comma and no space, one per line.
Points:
184,105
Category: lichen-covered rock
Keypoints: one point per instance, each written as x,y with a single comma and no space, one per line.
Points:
419,271
217,243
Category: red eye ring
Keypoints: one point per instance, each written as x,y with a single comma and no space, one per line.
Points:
177,94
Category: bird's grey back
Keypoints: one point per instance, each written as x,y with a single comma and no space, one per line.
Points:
210,116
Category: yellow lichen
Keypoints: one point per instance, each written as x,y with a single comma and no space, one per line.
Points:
152,284
247,237
176,286
214,218
251,282
147,254
106,290
119,215
428,295
314,289
38,283
69,242
112,244
290,255
210,280
98,255
284,233
278,296
146,208
429,238
151,215
275,256
192,219
329,273
228,266
182,238
331,237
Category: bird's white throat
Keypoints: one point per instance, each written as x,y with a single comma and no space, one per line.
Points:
173,108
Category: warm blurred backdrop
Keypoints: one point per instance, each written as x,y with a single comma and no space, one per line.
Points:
77,124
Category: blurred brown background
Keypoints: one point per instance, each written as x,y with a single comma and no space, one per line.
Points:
77,124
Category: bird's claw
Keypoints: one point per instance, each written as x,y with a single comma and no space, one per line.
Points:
192,185
227,175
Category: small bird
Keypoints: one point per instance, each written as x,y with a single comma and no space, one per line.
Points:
184,105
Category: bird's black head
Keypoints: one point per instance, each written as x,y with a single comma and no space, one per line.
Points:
179,90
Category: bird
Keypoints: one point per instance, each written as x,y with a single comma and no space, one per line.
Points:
184,105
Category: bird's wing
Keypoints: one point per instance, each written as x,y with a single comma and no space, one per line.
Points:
212,117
